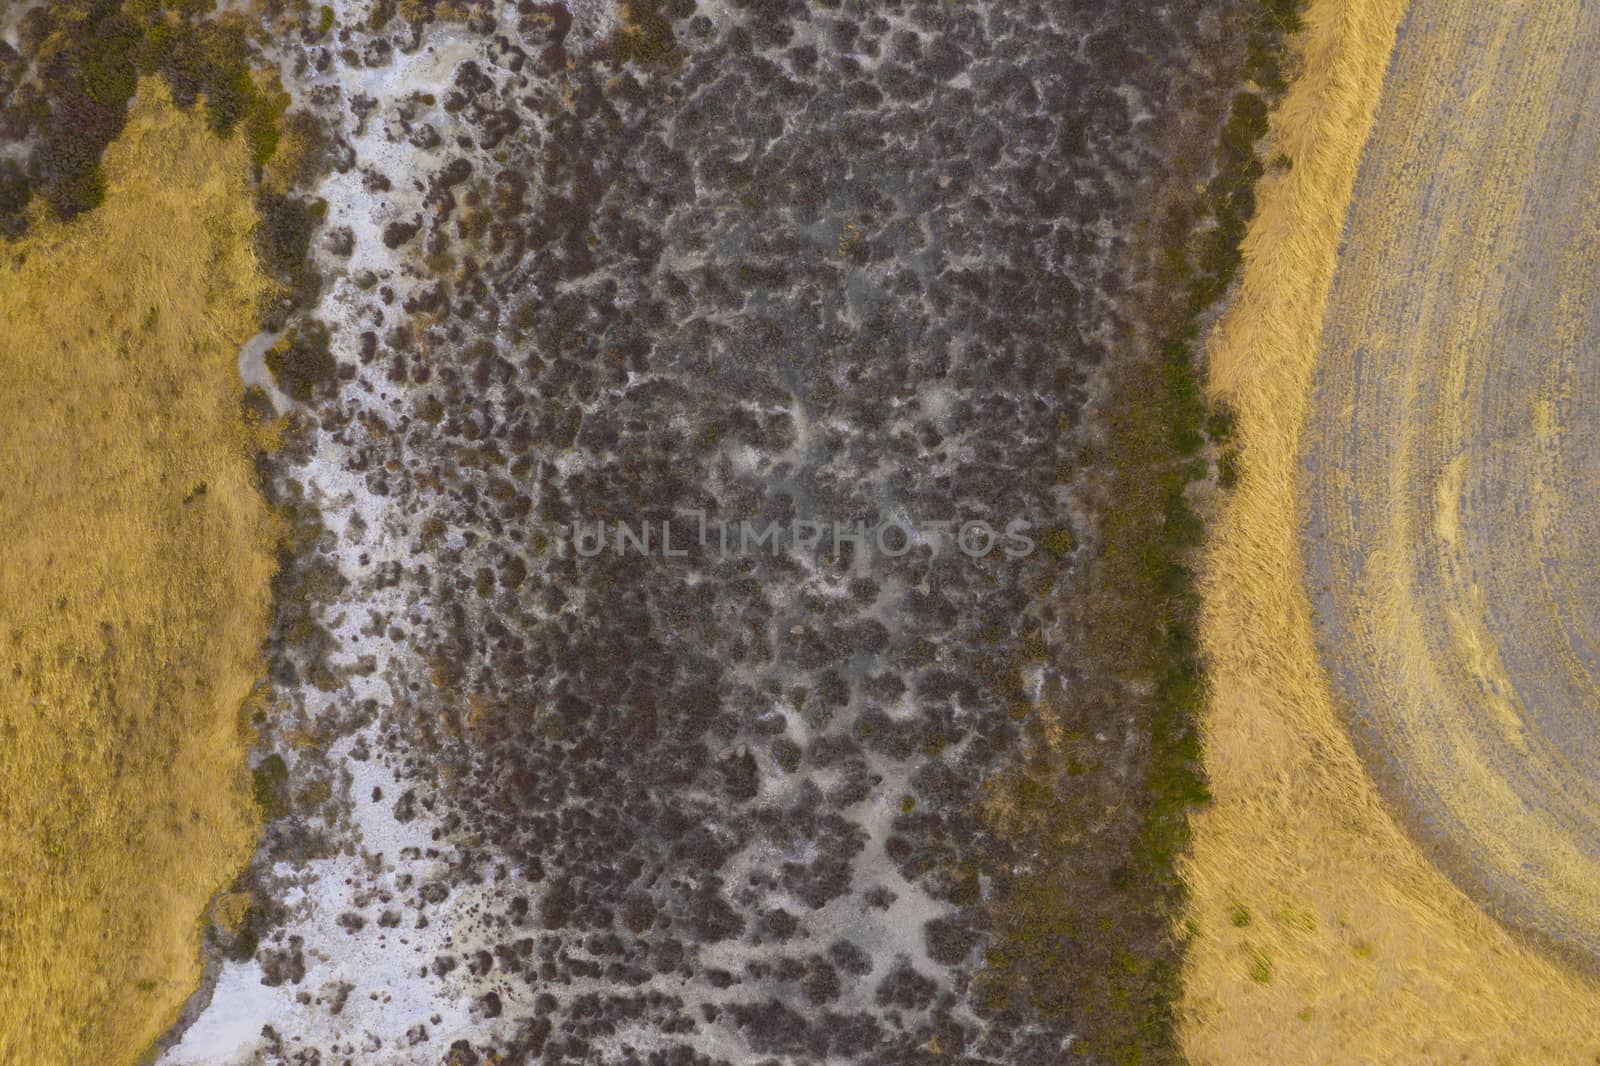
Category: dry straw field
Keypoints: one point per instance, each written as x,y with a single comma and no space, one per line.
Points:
1450,448
1322,931
134,592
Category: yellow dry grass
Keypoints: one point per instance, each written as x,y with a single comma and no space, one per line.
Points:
133,604
1321,933
1449,543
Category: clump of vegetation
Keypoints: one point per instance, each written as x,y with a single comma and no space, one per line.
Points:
241,917
1230,195
283,241
1176,782
15,192
263,121
645,34
1228,468
270,787
1059,541
301,362
1260,966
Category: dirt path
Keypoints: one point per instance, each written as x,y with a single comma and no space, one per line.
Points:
1449,478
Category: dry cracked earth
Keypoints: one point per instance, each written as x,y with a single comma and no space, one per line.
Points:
763,261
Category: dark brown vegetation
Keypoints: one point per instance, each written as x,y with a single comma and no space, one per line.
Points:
685,763
629,754
301,362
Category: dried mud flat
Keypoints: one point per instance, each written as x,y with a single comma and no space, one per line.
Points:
1451,457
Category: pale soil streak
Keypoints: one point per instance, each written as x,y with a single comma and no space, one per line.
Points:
1442,439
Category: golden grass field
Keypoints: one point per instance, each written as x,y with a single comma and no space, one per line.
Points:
1450,477
1322,933
134,592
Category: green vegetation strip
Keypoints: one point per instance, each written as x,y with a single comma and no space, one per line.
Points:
1106,955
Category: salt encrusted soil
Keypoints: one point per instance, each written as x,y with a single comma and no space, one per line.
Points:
767,261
